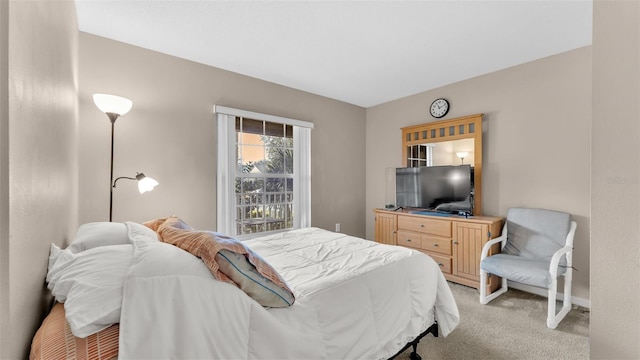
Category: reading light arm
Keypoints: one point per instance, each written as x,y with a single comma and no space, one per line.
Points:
144,184
139,177
122,177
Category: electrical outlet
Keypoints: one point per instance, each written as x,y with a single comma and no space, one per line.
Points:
337,227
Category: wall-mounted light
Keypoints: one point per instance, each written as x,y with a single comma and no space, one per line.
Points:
116,106
462,155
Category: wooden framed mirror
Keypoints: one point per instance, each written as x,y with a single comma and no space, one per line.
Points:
447,142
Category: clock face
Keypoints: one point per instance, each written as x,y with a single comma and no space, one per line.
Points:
439,108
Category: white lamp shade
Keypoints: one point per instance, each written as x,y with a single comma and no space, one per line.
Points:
146,184
112,104
462,154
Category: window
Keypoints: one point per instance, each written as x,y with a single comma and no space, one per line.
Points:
263,177
420,155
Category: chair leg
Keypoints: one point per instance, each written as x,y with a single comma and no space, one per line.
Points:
554,319
484,298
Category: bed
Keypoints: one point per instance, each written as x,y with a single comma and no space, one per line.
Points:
350,298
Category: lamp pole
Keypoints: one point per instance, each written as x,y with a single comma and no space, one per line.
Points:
113,106
112,117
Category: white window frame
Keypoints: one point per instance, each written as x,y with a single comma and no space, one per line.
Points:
226,207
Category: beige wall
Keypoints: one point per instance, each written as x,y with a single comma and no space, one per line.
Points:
170,135
536,136
38,157
615,176
4,180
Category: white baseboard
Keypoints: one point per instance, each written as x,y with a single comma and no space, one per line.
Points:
586,303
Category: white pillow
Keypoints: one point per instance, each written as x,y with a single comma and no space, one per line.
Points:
94,234
140,232
91,235
90,284
54,253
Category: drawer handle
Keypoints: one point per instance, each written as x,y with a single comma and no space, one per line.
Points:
440,264
436,245
421,225
408,240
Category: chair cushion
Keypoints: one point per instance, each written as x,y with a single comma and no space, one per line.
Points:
519,269
536,234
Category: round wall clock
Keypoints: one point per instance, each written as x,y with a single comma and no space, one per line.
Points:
439,108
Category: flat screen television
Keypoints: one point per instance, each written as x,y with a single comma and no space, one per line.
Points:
436,188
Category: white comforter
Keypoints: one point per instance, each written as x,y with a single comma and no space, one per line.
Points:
355,299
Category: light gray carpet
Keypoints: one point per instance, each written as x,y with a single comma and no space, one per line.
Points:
513,326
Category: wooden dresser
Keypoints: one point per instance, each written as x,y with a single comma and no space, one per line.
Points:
454,242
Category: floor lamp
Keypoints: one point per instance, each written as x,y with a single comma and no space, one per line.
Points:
462,155
114,107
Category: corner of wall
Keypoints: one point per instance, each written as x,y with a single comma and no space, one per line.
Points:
4,180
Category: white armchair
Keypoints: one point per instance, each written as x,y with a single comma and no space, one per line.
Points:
537,248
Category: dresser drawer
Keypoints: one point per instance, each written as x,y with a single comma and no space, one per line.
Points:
425,225
443,261
410,239
436,244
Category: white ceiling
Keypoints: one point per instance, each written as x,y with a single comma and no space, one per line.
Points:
361,52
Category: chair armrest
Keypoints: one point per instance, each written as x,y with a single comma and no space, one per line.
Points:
555,260
485,249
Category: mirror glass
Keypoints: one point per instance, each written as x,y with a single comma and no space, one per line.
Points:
447,142
450,152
